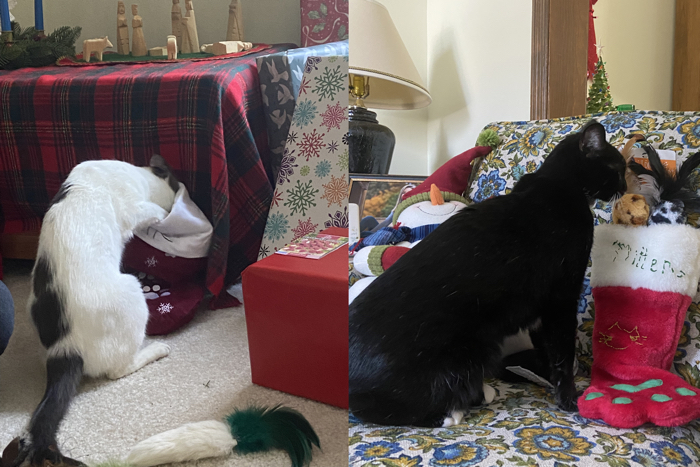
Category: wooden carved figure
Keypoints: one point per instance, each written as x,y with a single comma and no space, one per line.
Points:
158,51
186,47
176,17
192,26
229,47
172,48
235,21
138,42
95,45
122,30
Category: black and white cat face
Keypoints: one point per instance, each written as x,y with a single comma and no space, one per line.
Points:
603,165
164,185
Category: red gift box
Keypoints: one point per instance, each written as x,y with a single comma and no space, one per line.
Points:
297,317
323,21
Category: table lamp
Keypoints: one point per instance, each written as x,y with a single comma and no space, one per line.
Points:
382,76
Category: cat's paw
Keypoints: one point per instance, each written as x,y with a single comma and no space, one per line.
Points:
455,418
567,402
150,213
158,350
489,394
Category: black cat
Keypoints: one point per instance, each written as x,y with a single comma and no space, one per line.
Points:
424,333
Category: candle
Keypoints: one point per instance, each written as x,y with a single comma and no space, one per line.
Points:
5,16
38,14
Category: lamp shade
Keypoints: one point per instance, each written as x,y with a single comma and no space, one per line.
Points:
377,51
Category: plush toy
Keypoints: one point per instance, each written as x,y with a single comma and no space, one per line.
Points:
633,183
420,212
671,188
669,212
643,281
247,430
631,209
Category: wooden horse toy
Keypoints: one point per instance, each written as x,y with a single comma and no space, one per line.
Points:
95,45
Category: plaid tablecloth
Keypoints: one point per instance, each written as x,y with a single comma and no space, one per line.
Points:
206,118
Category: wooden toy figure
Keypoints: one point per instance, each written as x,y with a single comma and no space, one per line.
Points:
122,30
187,46
192,26
95,45
176,17
235,21
172,48
138,46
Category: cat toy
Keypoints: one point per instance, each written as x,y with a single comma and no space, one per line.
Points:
253,429
675,197
248,430
633,207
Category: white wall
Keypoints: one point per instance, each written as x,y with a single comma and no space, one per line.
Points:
479,62
637,39
474,57
409,126
268,21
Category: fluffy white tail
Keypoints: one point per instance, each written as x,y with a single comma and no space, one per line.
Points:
187,443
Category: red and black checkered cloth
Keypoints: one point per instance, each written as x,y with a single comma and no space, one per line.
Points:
206,118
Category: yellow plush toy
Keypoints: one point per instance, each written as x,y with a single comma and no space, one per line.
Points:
632,209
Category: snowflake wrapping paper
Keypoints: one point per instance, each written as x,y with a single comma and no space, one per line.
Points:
280,76
312,184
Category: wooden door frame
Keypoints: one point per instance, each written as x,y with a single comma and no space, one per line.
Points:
559,58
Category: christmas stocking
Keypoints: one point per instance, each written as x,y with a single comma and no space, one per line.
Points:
643,279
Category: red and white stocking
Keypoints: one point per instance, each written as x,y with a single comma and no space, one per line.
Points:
643,280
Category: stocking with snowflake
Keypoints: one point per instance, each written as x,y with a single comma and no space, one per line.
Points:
599,98
169,259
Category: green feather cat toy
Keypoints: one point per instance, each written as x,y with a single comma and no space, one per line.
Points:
253,429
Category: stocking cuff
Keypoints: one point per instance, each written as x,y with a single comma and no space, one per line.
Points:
663,258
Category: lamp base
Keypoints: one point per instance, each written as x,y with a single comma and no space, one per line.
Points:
371,144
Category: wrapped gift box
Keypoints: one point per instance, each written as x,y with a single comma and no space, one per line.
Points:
323,21
297,318
280,78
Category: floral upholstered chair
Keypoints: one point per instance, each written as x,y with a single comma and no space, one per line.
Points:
523,426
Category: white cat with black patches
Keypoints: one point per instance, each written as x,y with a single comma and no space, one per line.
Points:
90,317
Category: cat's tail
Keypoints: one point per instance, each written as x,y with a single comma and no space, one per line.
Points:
38,444
252,429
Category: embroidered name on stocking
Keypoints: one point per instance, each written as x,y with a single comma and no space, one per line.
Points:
639,259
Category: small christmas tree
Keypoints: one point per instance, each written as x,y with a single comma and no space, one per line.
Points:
599,99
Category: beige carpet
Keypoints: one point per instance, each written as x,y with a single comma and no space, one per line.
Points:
206,375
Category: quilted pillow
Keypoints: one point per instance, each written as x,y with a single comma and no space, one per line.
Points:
524,146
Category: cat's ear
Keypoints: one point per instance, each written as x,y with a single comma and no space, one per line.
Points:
160,168
593,137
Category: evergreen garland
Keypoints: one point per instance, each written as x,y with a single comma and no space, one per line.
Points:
31,49
599,99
